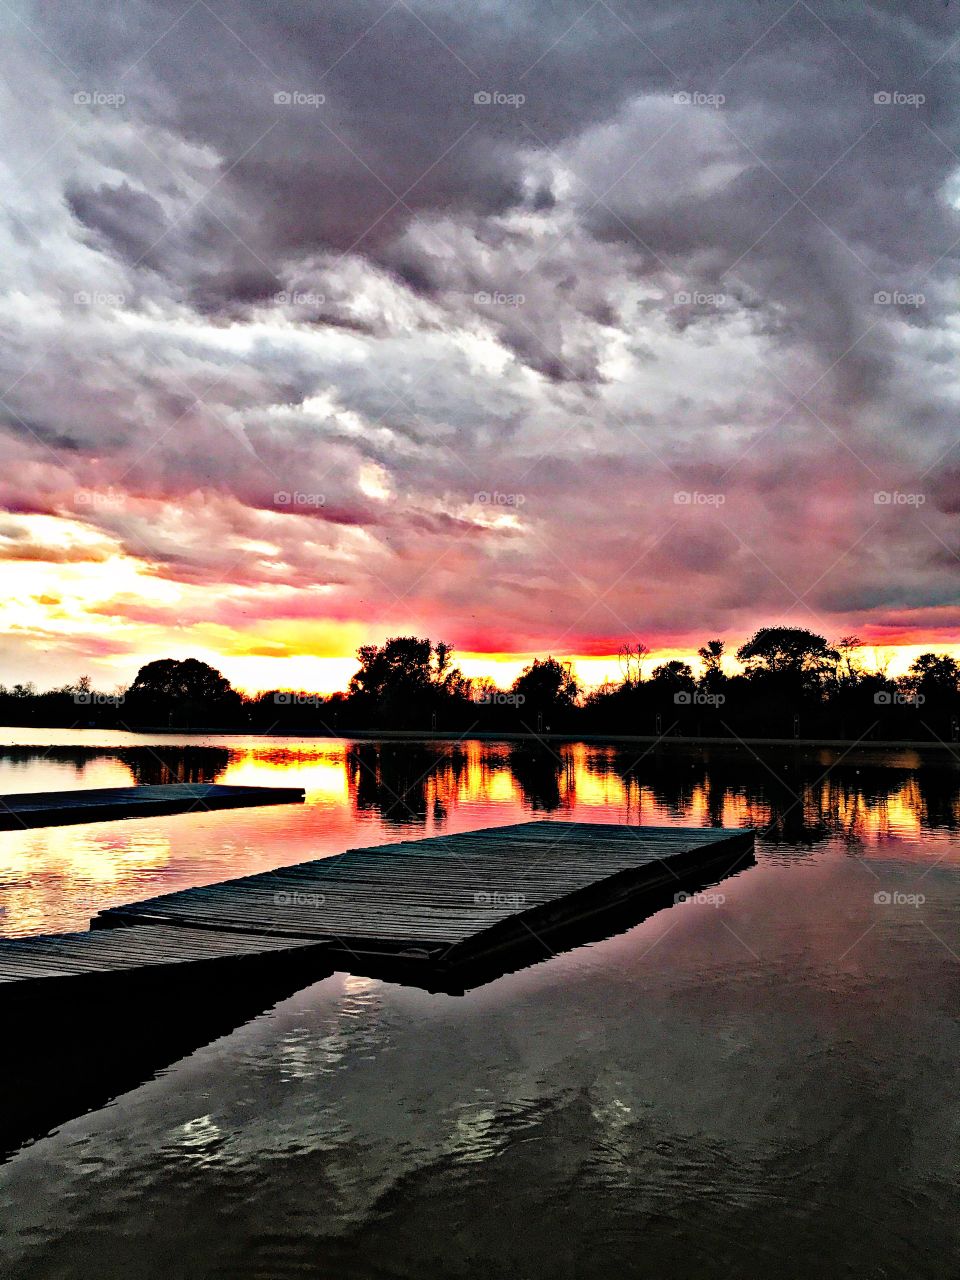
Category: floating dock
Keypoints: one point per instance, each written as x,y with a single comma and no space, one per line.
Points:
421,910
59,808
445,900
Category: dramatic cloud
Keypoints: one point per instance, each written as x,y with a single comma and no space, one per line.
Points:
534,326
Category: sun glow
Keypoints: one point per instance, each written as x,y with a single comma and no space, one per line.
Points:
75,602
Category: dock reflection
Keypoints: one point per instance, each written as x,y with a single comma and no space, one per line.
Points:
73,1045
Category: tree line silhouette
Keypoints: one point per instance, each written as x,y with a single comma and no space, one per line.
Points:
791,683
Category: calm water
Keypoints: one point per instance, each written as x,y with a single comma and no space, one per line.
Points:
762,1085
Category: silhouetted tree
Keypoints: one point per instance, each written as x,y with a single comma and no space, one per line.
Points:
181,691
791,661
671,687
711,655
631,659
673,675
175,680
849,669
405,680
546,686
935,675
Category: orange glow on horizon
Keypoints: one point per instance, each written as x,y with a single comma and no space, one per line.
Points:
76,603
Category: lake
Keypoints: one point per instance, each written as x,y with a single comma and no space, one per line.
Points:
757,1082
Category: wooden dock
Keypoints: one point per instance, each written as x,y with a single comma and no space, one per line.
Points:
59,808
448,900
423,910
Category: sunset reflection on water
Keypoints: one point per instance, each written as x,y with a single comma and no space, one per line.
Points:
876,804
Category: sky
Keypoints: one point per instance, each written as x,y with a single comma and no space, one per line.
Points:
533,327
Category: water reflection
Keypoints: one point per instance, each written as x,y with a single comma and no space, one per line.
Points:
798,800
546,778
151,766
363,793
760,1086
404,782
144,765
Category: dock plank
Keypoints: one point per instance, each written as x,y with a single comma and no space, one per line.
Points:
69,955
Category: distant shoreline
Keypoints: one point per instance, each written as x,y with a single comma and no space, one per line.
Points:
440,735
612,739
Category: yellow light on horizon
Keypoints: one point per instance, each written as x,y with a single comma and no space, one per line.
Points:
91,607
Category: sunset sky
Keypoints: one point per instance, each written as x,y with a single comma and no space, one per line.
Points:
534,327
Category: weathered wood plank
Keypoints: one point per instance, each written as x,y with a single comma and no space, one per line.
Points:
68,955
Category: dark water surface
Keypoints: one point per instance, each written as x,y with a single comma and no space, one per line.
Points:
759,1083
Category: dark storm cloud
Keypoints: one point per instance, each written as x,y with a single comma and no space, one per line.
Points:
944,485
620,289
131,222
820,199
